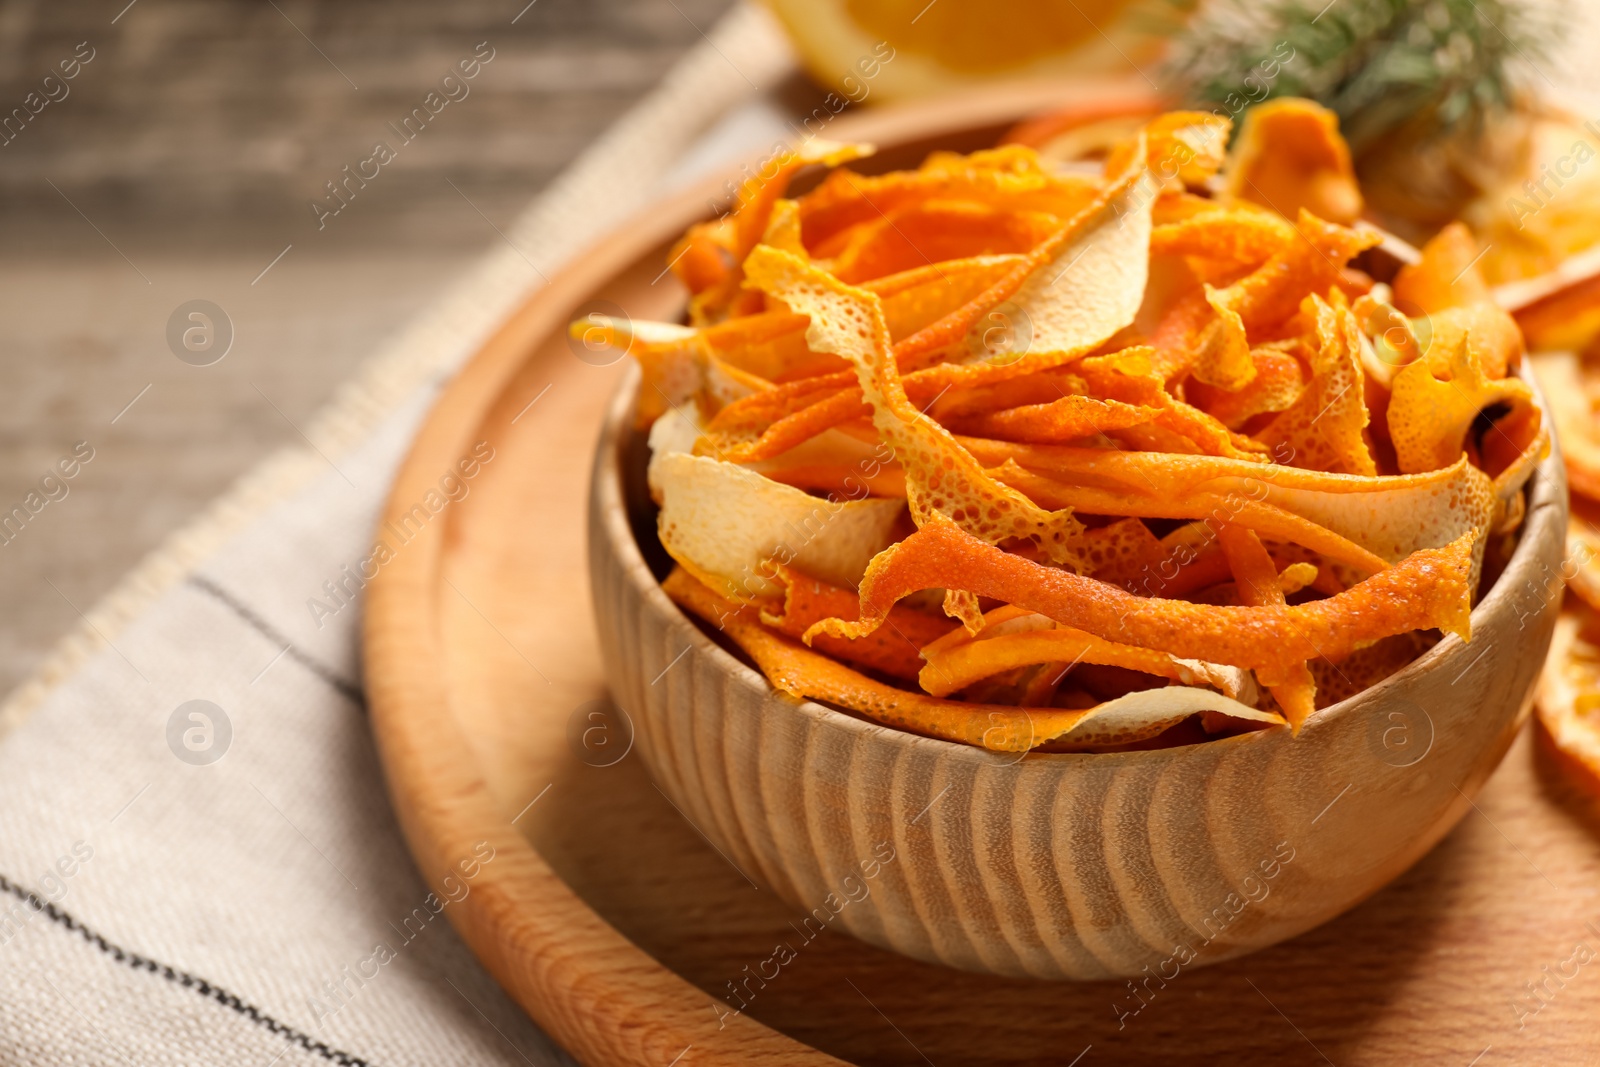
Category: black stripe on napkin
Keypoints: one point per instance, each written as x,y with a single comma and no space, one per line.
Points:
266,629
206,989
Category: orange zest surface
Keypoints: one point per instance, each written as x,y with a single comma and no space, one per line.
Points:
1025,457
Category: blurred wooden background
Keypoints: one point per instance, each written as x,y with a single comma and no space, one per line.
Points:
182,160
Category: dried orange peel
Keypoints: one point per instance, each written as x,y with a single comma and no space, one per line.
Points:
894,649
1290,157
1151,438
1430,589
1570,386
793,668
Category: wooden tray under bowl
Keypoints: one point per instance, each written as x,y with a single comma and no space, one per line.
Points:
619,927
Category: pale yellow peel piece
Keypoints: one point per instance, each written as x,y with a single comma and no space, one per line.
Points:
1094,284
671,357
1142,715
783,228
723,523
1387,516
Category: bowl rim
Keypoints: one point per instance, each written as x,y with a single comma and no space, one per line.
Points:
1546,498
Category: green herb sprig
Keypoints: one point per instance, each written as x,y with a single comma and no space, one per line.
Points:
1441,67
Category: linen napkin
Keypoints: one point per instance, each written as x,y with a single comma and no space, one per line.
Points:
198,864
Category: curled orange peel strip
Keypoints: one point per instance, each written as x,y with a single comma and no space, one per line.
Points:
1209,434
1214,508
1291,158
893,649
1325,428
960,635
1177,335
1007,177
802,673
935,232
1429,589
1431,413
1446,293
1067,419
1312,263
711,252
940,475
1183,569
1224,358
1259,586
1387,516
783,228
966,663
1446,276
1487,329
1238,238
1279,381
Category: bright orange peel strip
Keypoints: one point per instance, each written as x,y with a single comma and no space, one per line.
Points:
797,670
894,648
1429,589
1259,586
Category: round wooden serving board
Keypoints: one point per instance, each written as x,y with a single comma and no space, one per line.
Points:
619,927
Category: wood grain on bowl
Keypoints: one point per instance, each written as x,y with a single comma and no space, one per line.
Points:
620,929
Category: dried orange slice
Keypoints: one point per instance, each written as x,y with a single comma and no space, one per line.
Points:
1566,384
1581,569
1569,695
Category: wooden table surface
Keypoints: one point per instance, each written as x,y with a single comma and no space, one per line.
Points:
182,160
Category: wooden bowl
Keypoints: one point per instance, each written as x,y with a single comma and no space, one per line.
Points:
1077,866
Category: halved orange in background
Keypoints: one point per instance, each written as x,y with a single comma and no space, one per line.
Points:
936,46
